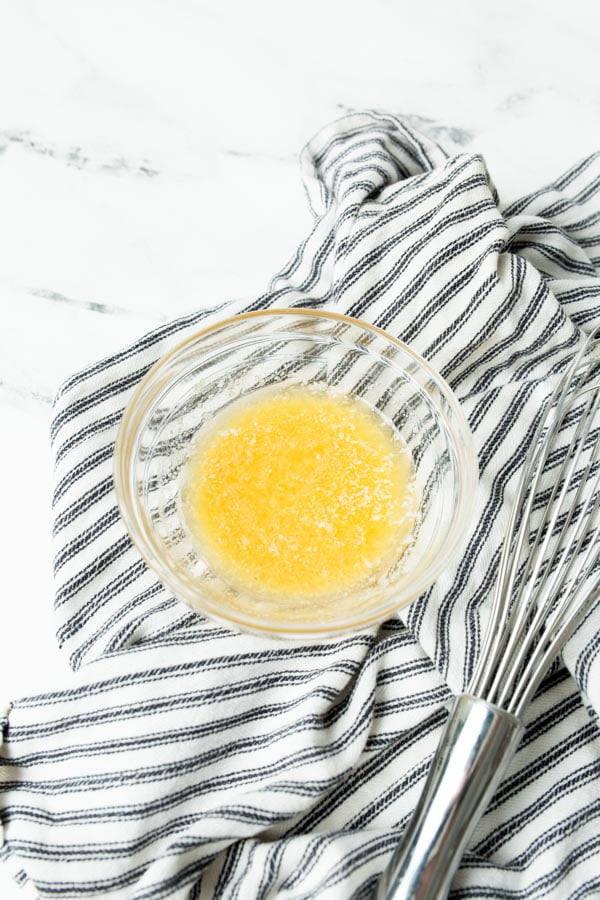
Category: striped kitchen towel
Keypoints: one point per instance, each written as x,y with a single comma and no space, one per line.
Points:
184,760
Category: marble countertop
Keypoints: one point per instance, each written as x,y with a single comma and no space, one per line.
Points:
149,166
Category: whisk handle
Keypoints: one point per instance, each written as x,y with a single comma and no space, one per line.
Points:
474,751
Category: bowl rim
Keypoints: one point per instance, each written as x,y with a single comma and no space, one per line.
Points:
462,440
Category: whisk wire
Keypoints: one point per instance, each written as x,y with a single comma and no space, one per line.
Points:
533,597
561,625
522,615
537,598
580,512
500,603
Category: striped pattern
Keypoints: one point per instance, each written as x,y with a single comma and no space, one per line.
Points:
182,760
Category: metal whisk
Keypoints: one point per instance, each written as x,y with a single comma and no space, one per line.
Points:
548,580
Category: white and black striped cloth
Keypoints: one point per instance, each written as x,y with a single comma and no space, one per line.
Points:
183,760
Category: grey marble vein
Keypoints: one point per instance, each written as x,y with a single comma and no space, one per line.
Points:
17,390
90,305
515,99
76,157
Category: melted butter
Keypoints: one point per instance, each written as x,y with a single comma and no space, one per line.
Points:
299,493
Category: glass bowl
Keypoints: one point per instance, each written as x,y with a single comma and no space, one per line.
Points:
285,348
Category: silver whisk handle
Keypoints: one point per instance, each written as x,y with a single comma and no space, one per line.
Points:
476,746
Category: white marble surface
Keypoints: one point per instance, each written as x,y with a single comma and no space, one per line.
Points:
148,166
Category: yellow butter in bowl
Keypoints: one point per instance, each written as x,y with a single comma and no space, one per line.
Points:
298,493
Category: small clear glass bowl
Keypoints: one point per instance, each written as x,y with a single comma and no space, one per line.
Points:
283,348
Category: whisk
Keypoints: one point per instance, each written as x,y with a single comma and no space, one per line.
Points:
548,580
